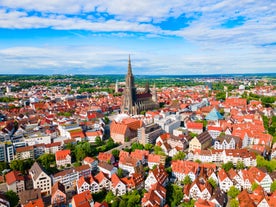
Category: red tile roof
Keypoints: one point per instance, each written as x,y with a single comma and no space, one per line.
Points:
62,154
14,176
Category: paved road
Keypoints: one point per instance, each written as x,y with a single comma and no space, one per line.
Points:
125,145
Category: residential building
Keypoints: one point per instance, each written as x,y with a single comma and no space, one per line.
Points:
63,158
118,187
149,133
15,181
202,141
83,199
40,179
58,195
157,175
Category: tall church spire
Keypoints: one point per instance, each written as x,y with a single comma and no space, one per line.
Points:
129,66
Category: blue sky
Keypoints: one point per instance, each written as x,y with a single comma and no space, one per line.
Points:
163,37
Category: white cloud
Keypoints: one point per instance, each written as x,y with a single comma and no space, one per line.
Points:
217,49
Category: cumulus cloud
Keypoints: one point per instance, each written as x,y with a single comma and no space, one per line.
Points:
225,34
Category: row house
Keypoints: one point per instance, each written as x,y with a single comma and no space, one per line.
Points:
135,181
53,147
239,155
59,197
106,157
106,168
181,169
93,163
69,177
157,175
156,196
154,160
227,142
200,188
202,141
89,183
118,187
63,158
141,155
224,181
214,131
23,153
83,199
194,127
129,164
15,181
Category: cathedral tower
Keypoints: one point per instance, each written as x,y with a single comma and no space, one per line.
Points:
129,98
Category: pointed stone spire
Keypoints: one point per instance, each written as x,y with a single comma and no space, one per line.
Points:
129,66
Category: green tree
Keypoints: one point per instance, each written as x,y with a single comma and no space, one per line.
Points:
233,192
187,180
158,150
227,166
137,145
122,203
190,203
254,186
234,203
115,203
273,186
3,166
212,182
115,153
120,173
179,156
21,165
240,165
109,197
48,162
12,197
98,141
148,146
174,195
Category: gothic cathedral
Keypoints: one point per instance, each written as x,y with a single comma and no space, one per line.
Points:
134,103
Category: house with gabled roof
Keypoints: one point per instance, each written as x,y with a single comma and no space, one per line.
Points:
157,175
245,200
261,178
219,197
106,157
195,127
156,196
135,181
58,195
35,203
15,181
200,188
155,160
202,141
83,199
236,179
224,181
106,168
63,158
103,181
38,174
259,197
181,168
93,163
118,187
129,164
